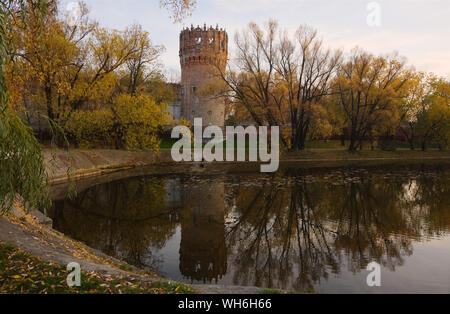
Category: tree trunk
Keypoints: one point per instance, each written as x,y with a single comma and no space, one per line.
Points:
343,140
353,140
361,144
49,101
424,146
353,145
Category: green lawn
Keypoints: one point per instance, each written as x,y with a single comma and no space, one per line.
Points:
329,144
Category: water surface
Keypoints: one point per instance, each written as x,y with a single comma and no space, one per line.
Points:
303,230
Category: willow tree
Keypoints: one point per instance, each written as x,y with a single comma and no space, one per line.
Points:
22,171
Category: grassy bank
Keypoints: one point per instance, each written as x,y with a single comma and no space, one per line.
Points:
21,273
332,150
167,143
336,154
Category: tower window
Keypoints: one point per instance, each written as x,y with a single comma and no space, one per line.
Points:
194,89
198,42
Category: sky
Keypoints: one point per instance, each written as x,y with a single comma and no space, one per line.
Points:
417,29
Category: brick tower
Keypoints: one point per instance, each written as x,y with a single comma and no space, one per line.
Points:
202,51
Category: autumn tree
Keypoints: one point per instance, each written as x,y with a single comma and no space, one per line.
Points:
48,60
252,83
433,117
282,81
411,107
68,68
22,169
368,87
143,65
179,9
307,69
48,63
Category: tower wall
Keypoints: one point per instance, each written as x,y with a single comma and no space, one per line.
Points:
202,52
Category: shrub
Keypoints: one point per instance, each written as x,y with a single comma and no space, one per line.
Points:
90,128
133,123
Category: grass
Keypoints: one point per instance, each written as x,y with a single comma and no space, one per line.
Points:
336,144
21,273
322,154
167,143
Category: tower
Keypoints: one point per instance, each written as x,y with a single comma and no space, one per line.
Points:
203,250
202,52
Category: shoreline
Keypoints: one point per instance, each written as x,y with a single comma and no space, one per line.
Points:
85,164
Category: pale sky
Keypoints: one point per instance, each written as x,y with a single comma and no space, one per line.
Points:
416,29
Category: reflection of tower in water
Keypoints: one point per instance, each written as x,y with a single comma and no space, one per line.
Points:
203,254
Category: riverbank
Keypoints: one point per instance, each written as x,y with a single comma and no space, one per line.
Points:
23,273
34,257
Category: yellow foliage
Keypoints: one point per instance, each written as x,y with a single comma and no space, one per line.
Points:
133,123
88,128
138,120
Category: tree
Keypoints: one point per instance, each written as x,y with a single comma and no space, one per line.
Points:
279,81
252,85
307,73
49,55
143,64
21,167
79,67
367,87
178,8
137,122
412,106
45,61
425,111
433,118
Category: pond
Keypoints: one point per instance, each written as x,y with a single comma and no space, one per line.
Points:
300,231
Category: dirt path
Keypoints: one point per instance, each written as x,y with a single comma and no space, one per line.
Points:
52,246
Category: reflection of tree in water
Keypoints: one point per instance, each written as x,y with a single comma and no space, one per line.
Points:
426,197
293,235
277,230
123,219
290,233
370,225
